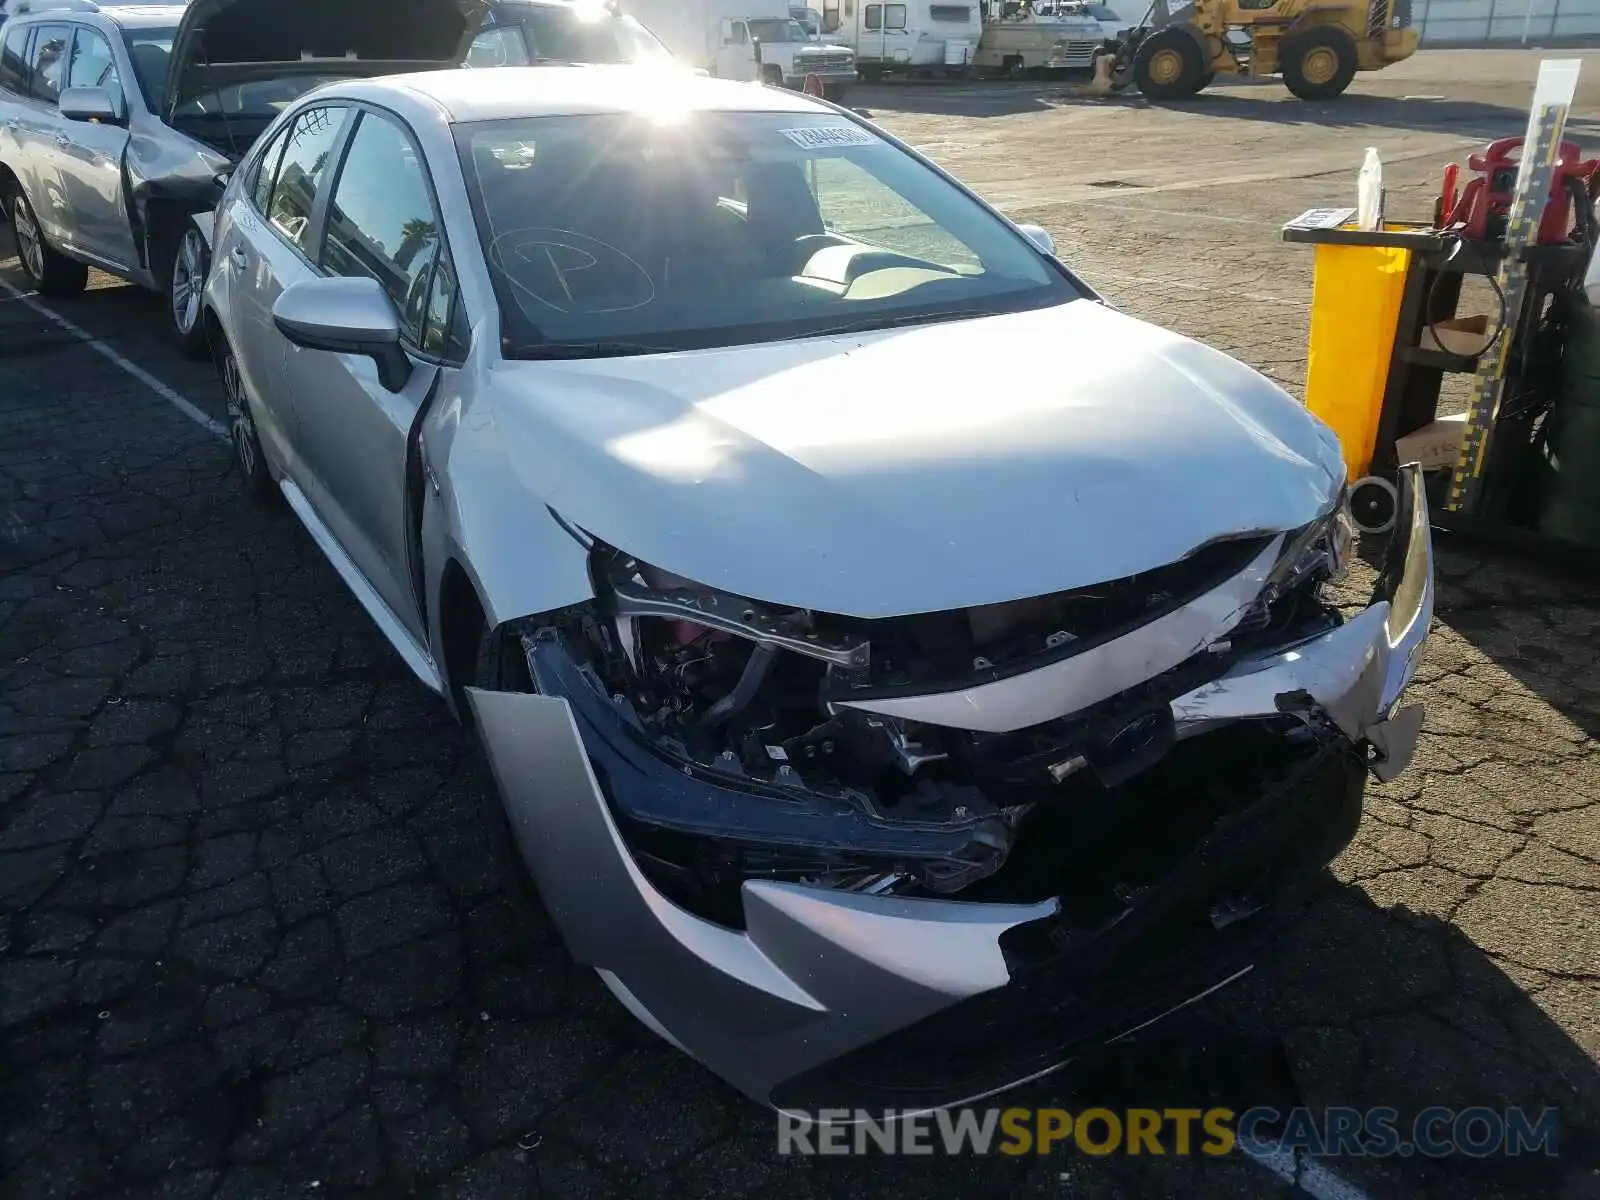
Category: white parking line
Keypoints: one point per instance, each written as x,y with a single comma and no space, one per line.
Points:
1308,1176
215,428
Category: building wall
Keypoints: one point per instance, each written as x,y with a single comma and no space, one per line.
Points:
1505,22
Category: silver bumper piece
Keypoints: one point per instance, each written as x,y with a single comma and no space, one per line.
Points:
815,974
1356,673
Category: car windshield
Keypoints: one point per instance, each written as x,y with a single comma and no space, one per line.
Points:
725,228
778,31
149,51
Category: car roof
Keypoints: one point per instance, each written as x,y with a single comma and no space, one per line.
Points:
137,16
509,92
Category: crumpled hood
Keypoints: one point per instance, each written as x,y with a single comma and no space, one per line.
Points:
913,470
216,35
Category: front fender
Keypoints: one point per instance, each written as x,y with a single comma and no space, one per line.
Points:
477,512
206,223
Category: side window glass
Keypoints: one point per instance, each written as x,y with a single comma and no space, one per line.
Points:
267,172
14,60
872,16
50,61
437,324
504,47
894,16
93,64
381,223
311,140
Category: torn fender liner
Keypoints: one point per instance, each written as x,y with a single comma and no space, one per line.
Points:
818,973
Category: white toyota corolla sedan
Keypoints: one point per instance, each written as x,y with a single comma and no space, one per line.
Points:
899,668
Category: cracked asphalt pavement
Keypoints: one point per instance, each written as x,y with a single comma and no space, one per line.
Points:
251,940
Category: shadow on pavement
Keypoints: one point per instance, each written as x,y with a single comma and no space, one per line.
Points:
1363,1007
1253,100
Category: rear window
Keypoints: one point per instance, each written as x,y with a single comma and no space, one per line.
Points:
14,60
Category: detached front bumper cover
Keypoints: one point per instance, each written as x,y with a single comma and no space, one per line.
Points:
818,974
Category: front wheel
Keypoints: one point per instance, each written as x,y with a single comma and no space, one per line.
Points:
186,281
1168,65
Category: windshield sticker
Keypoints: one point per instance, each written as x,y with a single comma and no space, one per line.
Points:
825,137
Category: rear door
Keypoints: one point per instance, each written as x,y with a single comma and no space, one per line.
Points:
265,245
13,93
382,223
38,125
89,163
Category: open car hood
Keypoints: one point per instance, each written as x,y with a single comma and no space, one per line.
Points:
224,40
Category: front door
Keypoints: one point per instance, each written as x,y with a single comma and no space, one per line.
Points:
89,161
352,432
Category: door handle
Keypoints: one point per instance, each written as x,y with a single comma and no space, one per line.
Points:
63,140
238,257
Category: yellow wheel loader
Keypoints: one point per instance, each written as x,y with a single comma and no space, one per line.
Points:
1316,45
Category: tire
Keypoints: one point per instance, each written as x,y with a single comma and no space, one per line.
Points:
186,277
1169,65
1206,81
50,273
1319,63
248,456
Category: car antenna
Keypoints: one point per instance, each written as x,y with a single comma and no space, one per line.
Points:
222,103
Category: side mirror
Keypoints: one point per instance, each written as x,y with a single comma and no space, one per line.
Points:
1040,237
345,316
92,104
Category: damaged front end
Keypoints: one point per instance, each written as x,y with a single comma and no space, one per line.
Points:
791,840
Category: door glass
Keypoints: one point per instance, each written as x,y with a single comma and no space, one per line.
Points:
14,61
873,17
92,63
50,61
305,159
267,172
381,223
894,16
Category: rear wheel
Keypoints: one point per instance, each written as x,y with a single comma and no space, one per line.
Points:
1169,66
186,281
49,273
247,453
1319,63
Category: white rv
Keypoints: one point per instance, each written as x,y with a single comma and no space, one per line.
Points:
915,37
726,36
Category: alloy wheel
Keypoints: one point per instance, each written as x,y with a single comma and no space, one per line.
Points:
241,426
188,278
29,242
